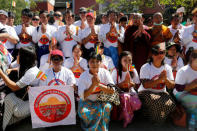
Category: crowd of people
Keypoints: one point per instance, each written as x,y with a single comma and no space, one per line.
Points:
153,65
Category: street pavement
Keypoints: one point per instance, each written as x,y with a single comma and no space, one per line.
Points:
138,124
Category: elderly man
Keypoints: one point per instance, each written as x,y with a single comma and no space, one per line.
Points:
137,41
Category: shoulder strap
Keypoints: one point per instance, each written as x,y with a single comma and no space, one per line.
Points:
37,28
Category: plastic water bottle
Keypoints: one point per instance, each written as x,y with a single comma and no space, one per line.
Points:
192,123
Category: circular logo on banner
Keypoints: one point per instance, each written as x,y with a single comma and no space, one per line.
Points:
52,105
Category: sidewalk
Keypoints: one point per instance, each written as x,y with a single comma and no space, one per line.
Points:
138,124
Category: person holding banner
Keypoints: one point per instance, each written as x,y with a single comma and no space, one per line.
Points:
58,75
16,103
94,115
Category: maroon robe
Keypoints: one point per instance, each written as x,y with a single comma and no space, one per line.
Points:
139,47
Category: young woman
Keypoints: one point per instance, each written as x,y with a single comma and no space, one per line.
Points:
77,64
58,75
94,115
126,79
185,89
155,77
15,107
107,61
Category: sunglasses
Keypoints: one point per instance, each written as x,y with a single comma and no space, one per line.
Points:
56,59
194,55
57,15
34,19
159,53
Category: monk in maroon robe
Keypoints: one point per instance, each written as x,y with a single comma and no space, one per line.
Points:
137,41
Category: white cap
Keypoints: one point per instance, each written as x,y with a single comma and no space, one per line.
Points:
181,9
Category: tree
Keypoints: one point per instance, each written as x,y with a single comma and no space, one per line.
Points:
20,5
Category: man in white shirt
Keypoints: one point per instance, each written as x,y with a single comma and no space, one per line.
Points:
82,14
42,35
110,34
89,35
25,30
58,17
13,40
68,35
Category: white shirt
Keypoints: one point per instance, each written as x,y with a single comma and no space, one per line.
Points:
70,62
191,44
105,29
185,76
43,38
63,77
179,62
150,72
85,81
86,32
108,62
29,30
135,78
82,62
11,31
180,29
78,23
67,43
29,78
187,35
43,62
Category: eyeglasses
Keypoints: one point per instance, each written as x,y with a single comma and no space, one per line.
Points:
34,19
56,59
101,47
159,53
194,55
57,15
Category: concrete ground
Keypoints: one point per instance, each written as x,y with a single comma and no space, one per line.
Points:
138,124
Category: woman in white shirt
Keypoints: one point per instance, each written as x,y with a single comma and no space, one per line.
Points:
16,104
94,115
172,57
155,77
77,64
126,78
58,75
186,85
107,61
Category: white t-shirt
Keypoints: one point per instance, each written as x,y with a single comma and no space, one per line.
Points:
67,43
78,23
29,30
43,38
29,78
11,31
70,62
135,78
150,72
187,35
82,62
191,44
63,77
185,76
108,62
114,40
85,81
86,32
179,62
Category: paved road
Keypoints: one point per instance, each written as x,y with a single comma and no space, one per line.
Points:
138,124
